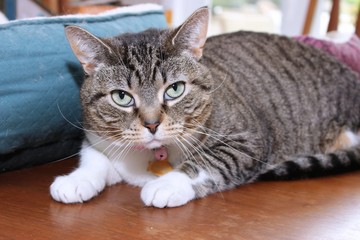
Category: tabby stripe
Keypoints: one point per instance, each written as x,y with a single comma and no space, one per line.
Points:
279,87
196,106
131,67
356,98
234,159
202,86
163,74
316,79
241,155
157,68
189,108
150,52
242,114
223,74
200,112
224,161
153,74
212,184
216,167
128,80
135,55
242,151
301,64
292,169
158,63
126,58
220,67
244,85
335,161
256,71
96,97
190,169
138,76
287,70
342,99
306,59
291,75
271,73
353,159
315,164
325,164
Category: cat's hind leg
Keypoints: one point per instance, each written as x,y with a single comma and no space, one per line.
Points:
88,180
345,139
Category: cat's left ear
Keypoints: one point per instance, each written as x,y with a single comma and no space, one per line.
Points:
86,47
191,35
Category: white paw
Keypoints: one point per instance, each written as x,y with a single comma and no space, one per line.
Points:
171,190
75,189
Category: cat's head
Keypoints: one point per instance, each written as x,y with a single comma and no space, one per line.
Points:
145,89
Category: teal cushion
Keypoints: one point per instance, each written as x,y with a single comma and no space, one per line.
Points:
40,79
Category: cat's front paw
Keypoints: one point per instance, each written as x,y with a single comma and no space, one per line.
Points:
74,189
171,190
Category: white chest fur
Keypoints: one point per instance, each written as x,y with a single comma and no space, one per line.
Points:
130,163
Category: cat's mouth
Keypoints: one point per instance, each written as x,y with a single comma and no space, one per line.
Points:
160,151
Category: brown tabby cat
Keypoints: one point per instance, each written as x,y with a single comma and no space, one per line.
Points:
244,107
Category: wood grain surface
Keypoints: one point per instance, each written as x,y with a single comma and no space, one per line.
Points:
316,209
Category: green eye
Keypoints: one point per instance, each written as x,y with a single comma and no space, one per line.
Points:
122,98
175,90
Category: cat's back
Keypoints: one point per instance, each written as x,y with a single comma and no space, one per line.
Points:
295,88
258,53
276,68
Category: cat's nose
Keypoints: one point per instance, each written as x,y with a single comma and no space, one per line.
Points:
152,126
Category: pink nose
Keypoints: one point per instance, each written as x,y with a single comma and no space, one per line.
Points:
152,127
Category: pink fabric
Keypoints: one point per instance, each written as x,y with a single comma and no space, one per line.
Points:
348,52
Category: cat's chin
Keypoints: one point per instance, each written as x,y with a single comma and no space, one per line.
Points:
153,144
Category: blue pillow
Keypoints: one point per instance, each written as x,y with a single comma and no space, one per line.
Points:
40,116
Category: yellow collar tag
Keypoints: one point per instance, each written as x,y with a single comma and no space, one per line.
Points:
159,167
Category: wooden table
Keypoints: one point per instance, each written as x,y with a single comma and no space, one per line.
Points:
321,209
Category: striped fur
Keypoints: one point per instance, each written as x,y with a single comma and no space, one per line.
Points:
257,105
295,100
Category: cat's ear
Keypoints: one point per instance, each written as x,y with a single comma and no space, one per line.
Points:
191,35
86,47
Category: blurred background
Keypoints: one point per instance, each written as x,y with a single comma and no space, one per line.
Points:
288,17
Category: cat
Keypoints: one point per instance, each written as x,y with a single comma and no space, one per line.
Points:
244,106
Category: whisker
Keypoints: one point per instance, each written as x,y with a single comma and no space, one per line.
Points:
220,84
81,127
120,150
186,151
179,146
202,146
115,148
203,160
213,131
223,142
67,120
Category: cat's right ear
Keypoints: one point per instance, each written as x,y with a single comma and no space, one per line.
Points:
86,47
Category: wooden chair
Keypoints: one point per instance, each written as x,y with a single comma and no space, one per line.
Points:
334,17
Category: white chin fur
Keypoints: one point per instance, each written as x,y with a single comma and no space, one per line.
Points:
153,144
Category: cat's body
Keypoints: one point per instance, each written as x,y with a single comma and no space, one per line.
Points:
297,100
250,106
